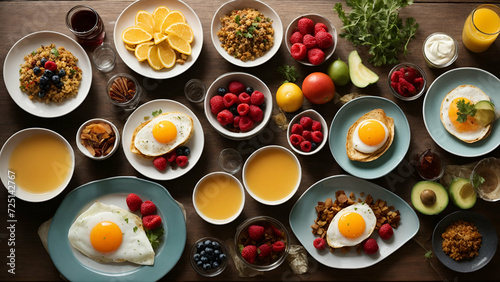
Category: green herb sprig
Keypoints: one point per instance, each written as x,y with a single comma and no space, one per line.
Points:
464,110
154,236
289,73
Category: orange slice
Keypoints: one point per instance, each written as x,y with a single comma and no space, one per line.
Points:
166,55
142,50
130,47
135,35
159,37
171,18
159,15
145,21
183,30
179,44
153,58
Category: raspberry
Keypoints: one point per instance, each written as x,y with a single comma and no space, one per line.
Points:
418,83
410,74
297,129
396,75
395,86
317,136
306,122
257,98
244,98
217,104
255,113
160,163
296,37
171,156
316,56
181,161
278,246
236,87
50,66
229,99
151,222
406,88
225,117
276,231
307,135
296,139
246,123
264,251
133,202
147,208
306,26
298,51
370,246
324,39
316,126
310,41
243,109
236,121
249,253
385,231
320,27
306,146
319,243
255,232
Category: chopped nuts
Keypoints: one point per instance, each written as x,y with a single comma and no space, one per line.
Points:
98,139
461,240
122,89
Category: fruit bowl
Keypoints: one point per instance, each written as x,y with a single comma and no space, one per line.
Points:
293,26
419,86
315,116
246,79
203,269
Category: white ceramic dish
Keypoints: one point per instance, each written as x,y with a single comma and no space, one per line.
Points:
85,151
15,58
247,80
127,19
262,7
9,178
146,167
324,129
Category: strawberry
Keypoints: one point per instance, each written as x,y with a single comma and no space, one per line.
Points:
147,208
249,253
151,222
255,232
133,202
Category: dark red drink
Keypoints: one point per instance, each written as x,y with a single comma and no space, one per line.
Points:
86,25
430,165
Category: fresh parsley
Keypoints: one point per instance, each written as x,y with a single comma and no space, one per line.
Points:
289,73
154,236
54,52
377,25
477,180
428,255
157,112
464,110
237,19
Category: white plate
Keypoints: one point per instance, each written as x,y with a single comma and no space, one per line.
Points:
15,58
146,167
127,19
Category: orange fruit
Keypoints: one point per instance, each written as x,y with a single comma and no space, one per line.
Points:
171,18
182,30
179,44
289,97
153,58
144,20
166,55
142,50
159,14
135,35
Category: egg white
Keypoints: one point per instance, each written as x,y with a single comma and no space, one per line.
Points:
336,240
364,148
135,246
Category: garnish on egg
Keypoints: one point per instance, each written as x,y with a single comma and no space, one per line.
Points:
465,109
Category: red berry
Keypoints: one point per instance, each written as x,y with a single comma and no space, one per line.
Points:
297,129
316,56
50,66
255,113
181,161
171,156
133,202
317,136
264,251
296,139
257,98
246,123
306,26
310,41
395,76
217,104
385,231
296,37
160,163
249,253
320,27
418,83
298,51
244,98
151,222
306,146
306,122
236,87
255,232
243,109
316,126
278,246
323,39
236,121
319,243
307,135
370,246
147,208
410,74
229,99
225,117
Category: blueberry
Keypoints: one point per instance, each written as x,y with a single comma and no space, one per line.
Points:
36,70
234,109
203,253
196,257
62,72
44,80
199,263
215,264
262,106
207,243
199,247
48,73
215,245
209,251
41,94
60,84
43,61
217,253
249,90
222,257
56,79
203,259
44,86
207,266
313,146
221,91
187,151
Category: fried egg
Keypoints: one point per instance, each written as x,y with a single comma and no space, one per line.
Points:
107,233
470,130
162,134
369,136
351,225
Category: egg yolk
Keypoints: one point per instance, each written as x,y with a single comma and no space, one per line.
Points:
351,225
106,237
467,126
371,132
164,131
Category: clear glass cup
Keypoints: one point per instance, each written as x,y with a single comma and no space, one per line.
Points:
430,165
195,90
116,93
230,160
481,28
104,57
86,24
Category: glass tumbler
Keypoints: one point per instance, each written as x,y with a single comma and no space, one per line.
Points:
481,28
86,24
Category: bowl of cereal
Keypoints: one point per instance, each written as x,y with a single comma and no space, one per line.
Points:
247,33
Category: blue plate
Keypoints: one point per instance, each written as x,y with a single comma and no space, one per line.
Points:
303,214
349,114
432,105
76,267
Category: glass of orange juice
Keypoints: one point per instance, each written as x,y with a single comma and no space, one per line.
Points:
481,28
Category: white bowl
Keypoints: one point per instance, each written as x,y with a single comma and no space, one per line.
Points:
85,151
247,80
314,115
262,7
218,221
292,27
9,178
263,151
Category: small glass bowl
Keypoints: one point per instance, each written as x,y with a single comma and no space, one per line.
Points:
126,104
211,272
488,169
195,90
436,165
429,62
419,70
230,160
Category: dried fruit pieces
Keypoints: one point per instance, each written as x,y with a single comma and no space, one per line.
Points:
98,138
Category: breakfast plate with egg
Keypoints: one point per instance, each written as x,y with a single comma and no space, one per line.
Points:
73,248
466,138
157,128
303,214
369,136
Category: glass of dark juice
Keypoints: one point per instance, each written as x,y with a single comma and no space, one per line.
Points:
86,24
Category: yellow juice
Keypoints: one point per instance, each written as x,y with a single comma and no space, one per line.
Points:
218,197
41,163
481,29
272,174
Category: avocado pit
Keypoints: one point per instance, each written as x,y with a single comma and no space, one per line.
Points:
428,197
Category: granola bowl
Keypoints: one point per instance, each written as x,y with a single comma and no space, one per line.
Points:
107,136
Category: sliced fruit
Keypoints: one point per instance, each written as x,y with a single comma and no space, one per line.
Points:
171,18
135,35
166,54
159,37
429,197
182,30
179,44
361,76
142,50
144,20
159,14
130,47
153,58
462,193
485,112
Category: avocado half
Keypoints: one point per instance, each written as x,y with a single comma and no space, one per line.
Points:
462,193
429,197
360,75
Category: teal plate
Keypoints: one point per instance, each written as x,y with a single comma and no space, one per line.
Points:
303,214
76,267
349,114
432,105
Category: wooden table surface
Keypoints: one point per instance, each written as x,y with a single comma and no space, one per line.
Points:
19,18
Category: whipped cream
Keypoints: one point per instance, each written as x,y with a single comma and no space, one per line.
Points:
439,49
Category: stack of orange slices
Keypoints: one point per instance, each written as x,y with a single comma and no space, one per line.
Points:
159,37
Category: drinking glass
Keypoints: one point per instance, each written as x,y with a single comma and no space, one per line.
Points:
481,28
86,24
104,57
